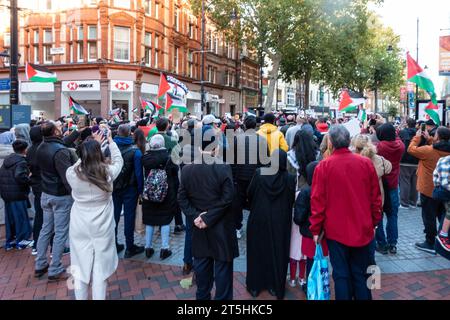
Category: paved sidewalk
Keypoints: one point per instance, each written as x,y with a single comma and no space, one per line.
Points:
408,259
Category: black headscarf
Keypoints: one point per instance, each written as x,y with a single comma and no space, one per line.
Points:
305,149
282,159
386,132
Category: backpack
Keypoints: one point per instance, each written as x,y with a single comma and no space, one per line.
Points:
156,185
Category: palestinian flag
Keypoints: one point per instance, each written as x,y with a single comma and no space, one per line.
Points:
349,103
175,102
149,106
362,115
432,110
418,76
37,73
164,86
76,107
152,131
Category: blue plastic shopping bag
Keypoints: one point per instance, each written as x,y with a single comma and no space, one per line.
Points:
318,280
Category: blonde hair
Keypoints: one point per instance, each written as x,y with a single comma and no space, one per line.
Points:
364,146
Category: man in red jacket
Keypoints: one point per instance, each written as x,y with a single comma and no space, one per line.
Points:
346,205
391,148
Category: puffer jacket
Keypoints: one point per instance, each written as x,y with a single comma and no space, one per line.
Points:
274,137
14,181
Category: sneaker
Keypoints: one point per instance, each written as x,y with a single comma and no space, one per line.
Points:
404,207
58,277
21,247
119,247
425,246
165,253
292,283
382,249
149,252
238,234
133,251
302,283
27,243
41,272
34,252
392,249
9,246
444,242
179,229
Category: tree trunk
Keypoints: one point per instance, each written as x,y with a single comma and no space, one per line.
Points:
273,78
307,83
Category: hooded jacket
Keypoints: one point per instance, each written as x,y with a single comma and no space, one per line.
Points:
35,179
391,148
14,181
406,135
274,137
428,157
131,174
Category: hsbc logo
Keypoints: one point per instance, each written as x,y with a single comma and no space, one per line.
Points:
123,86
73,86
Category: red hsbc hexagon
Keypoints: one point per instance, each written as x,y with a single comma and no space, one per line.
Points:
122,86
72,86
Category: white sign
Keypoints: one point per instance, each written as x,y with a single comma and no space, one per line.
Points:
57,51
78,86
122,86
353,126
149,88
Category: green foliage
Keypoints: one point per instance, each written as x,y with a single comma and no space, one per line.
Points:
392,109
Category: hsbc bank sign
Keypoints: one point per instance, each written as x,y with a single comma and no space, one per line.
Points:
121,86
78,86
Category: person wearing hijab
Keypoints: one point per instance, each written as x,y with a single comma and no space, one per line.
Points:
271,196
391,148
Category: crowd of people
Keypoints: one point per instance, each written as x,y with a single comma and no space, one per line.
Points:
304,181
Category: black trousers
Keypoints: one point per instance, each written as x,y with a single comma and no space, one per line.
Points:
432,212
240,201
209,271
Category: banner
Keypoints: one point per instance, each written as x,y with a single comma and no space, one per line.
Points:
444,55
421,114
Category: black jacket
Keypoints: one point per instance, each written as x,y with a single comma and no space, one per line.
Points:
209,188
406,135
160,214
250,153
35,179
53,158
14,181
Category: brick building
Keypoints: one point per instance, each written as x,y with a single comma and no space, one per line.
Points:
107,53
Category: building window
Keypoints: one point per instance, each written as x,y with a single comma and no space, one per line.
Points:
175,60
48,5
122,44
190,71
6,39
80,33
122,4
290,98
216,45
36,54
156,10
210,73
191,31
156,42
156,59
92,43
148,7
36,36
47,46
148,49
226,48
80,44
176,22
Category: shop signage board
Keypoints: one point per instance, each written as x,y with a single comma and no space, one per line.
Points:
77,86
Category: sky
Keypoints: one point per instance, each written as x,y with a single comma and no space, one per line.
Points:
401,15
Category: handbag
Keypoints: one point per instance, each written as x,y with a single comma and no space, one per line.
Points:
318,280
139,226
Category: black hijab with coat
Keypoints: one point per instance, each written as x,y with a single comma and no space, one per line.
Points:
269,228
305,150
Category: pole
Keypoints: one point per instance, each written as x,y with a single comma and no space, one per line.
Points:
417,58
261,62
376,99
202,73
14,56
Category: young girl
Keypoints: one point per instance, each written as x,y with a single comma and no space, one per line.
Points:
302,212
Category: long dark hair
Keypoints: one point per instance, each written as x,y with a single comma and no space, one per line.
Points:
93,167
139,139
305,150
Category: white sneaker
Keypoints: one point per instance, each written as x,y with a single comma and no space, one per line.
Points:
34,252
238,234
292,283
27,243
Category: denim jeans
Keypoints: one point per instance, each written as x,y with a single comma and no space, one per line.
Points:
127,199
350,270
188,259
56,221
16,221
165,234
391,225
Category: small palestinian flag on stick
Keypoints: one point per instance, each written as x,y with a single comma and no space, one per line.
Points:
76,107
149,106
432,110
37,73
349,103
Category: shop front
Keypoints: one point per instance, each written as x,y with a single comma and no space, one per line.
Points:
5,86
194,103
85,92
41,98
122,97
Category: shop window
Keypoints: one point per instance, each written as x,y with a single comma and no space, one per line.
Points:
122,44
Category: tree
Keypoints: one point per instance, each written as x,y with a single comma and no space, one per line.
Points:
392,109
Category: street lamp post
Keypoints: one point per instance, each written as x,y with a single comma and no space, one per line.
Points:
14,55
202,73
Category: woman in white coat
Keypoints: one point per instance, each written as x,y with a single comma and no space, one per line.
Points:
92,240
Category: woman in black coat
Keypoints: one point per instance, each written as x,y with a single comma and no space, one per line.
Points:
271,196
160,213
